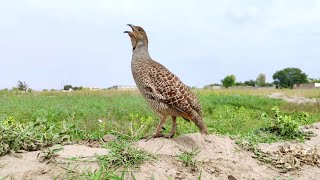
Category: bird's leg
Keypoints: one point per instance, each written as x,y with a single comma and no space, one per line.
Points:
173,128
158,132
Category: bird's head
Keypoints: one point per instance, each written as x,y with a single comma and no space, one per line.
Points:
138,36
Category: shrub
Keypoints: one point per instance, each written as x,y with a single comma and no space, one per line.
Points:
285,125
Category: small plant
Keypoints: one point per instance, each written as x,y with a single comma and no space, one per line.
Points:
103,173
33,136
124,154
284,125
188,158
139,126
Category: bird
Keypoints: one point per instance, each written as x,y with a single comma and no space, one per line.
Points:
167,95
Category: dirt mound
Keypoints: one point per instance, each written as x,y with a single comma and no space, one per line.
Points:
218,157
292,99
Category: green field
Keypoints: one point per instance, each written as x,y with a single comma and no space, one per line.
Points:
45,118
38,120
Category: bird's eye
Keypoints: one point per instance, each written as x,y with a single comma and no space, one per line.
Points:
139,29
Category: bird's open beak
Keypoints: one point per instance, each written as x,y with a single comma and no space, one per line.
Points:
132,27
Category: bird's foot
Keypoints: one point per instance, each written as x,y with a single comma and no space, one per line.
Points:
155,136
169,136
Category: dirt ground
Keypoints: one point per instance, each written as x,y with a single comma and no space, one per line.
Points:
219,158
292,99
28,166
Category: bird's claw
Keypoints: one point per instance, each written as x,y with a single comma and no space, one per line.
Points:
169,136
155,136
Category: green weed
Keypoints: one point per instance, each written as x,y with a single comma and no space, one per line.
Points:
140,126
104,173
286,126
188,159
124,154
33,135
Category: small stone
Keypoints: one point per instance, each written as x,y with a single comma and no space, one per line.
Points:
109,138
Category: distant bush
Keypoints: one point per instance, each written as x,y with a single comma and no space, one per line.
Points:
67,87
75,88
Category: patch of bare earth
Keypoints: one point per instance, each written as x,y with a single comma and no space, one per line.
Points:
219,158
28,166
292,99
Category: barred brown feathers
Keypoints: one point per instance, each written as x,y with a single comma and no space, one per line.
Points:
164,91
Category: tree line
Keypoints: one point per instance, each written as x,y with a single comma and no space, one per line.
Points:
285,78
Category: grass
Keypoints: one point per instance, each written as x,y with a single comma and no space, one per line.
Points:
92,114
123,154
36,120
311,93
188,159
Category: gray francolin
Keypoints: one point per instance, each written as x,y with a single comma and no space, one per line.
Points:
164,91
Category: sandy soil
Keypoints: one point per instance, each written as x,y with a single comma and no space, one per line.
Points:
29,167
219,158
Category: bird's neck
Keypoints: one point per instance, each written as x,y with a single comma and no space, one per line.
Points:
141,52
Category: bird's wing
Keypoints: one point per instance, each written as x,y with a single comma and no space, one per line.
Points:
167,88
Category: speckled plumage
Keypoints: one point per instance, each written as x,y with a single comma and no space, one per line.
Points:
164,91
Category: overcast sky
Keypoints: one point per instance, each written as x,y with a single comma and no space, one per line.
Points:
81,42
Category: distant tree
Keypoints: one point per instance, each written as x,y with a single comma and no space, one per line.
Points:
250,83
22,86
211,85
229,81
30,90
261,80
52,90
44,89
67,87
287,77
239,83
